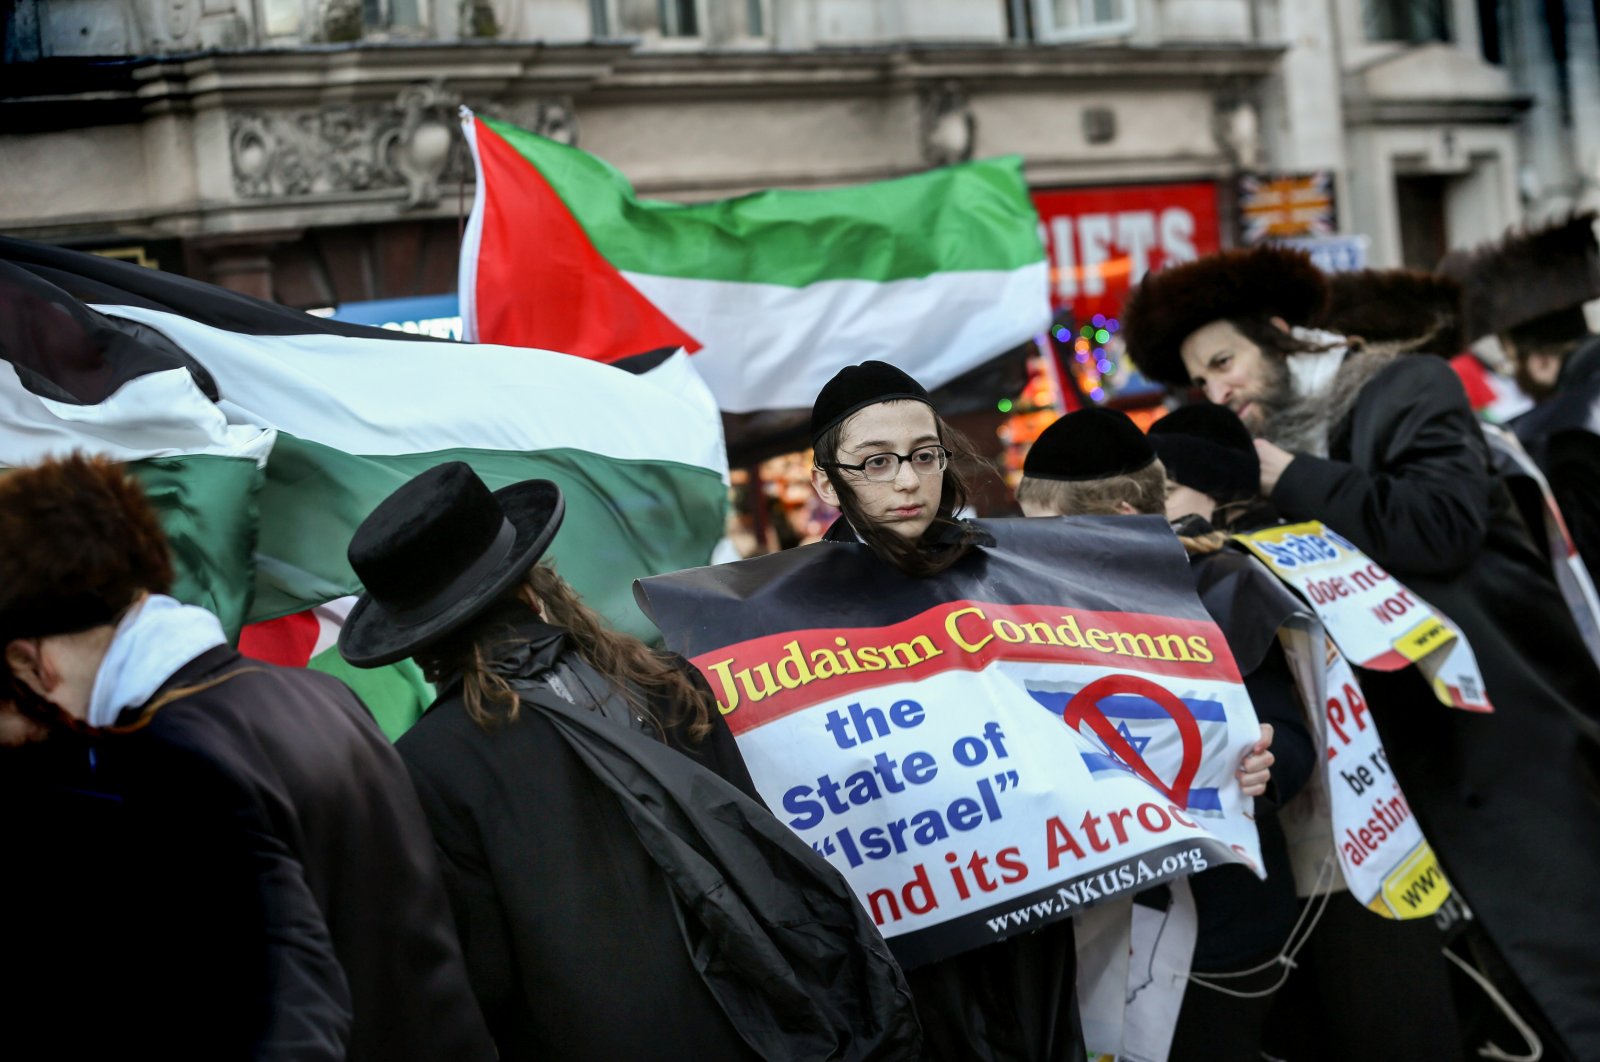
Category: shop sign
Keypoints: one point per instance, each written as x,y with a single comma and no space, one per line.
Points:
1102,241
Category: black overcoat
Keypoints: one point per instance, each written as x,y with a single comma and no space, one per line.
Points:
246,875
571,937
1508,799
1562,435
352,895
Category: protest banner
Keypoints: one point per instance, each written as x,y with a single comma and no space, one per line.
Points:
1376,622
1353,810
1052,722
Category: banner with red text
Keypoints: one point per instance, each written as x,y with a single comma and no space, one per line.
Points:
1352,811
1376,622
1052,722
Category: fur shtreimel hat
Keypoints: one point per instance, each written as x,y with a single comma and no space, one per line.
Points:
1207,448
1167,306
1397,306
855,387
439,552
79,541
1532,284
1094,443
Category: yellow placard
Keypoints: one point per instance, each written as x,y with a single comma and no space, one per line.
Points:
1426,638
1414,889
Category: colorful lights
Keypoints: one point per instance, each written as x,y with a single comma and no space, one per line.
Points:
1004,405
1095,355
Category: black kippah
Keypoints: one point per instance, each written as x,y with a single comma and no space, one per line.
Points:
857,387
1094,443
1207,448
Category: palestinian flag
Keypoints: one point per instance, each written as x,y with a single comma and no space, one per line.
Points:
268,434
397,695
938,273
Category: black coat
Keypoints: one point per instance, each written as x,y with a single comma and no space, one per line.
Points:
115,890
1562,435
1507,799
248,875
570,933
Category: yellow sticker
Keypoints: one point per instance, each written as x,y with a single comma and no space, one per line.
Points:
1426,638
1415,889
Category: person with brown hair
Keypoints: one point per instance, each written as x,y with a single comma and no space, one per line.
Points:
1096,461
883,456
220,823
904,507
1213,474
620,889
1380,445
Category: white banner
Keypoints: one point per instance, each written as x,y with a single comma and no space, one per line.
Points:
1376,622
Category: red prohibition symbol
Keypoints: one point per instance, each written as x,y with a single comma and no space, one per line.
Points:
1084,707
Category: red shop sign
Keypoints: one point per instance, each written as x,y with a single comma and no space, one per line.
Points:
1103,240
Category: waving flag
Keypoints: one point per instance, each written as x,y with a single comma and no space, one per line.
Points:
270,434
938,272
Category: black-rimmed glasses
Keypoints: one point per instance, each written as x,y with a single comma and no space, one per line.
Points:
882,468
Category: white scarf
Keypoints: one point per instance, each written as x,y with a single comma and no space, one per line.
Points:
156,638
1311,372
1311,376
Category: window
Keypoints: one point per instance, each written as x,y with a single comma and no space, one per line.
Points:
1412,21
1071,20
280,18
392,14
714,21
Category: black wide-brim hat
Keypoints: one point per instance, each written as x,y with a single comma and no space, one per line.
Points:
437,553
1168,306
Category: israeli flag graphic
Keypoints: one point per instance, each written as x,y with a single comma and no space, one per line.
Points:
1150,731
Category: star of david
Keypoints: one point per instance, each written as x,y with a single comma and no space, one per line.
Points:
1138,742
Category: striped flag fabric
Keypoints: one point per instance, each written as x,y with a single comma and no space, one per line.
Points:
397,695
270,434
937,273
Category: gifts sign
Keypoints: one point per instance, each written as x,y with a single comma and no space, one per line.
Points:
987,750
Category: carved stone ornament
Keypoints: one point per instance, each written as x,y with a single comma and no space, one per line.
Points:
413,143
949,129
555,117
1236,129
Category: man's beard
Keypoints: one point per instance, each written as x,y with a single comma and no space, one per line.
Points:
1271,399
1297,423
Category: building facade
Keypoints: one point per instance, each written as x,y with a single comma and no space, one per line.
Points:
308,150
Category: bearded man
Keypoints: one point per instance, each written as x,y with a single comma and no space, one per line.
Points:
1381,446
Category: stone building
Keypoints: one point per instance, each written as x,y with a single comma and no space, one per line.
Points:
307,150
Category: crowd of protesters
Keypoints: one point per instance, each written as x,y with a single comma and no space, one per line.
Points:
212,858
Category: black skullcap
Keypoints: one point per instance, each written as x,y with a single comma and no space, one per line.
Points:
1207,448
1094,443
856,387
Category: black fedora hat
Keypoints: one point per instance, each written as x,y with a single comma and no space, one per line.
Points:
436,553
